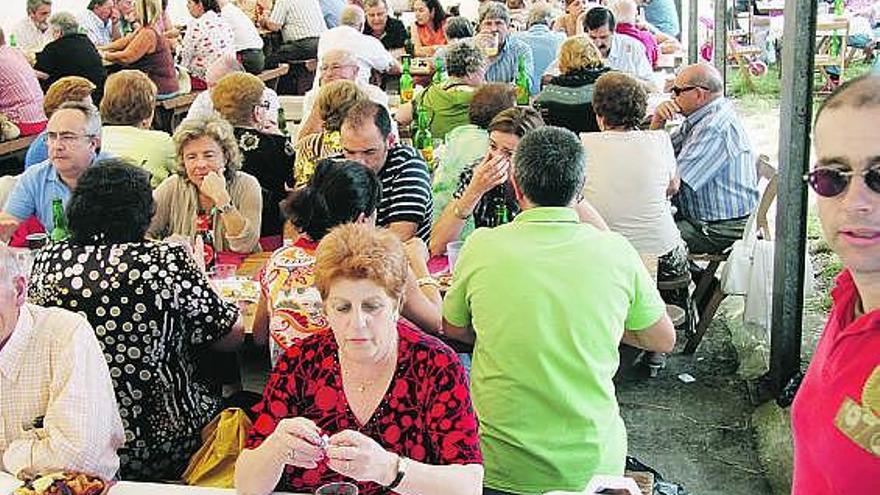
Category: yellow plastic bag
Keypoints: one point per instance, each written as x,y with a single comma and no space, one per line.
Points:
222,439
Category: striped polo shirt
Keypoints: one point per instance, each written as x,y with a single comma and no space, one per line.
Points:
716,163
406,191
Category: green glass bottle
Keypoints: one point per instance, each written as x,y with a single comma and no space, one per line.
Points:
282,121
59,231
12,41
439,71
502,215
406,82
836,39
522,82
423,140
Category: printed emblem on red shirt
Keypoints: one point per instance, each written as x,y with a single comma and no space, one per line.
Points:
861,422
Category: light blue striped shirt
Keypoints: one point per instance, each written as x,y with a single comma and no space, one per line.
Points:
716,163
503,69
545,45
97,30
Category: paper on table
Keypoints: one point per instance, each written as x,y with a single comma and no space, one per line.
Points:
600,482
8,482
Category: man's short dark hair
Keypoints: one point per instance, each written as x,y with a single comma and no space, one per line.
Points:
489,100
363,112
863,91
549,166
597,17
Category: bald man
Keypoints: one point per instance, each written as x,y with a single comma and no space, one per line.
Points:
716,162
367,50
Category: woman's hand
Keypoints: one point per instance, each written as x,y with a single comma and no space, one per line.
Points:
214,187
492,171
297,442
359,457
416,252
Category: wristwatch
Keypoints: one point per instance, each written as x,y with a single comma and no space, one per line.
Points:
461,215
225,208
401,472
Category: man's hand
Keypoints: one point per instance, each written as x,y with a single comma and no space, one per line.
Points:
667,110
214,187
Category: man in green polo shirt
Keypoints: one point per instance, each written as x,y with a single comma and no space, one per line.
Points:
549,299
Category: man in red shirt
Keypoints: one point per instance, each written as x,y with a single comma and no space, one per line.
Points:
836,414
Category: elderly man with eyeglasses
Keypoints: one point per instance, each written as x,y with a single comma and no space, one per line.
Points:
716,162
73,137
836,410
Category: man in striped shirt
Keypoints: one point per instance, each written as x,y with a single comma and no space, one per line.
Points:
716,162
406,205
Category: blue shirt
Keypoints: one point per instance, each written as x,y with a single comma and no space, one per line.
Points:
34,191
545,45
97,30
716,163
331,10
37,152
662,15
503,69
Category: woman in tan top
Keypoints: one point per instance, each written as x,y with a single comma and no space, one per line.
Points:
208,196
146,50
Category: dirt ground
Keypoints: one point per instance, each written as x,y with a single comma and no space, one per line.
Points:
697,434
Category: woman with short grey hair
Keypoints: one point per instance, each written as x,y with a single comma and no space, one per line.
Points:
447,103
70,53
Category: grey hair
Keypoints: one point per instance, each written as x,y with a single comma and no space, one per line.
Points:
65,23
549,166
374,3
463,58
495,10
352,16
540,14
33,5
707,77
624,11
10,267
458,27
216,128
347,56
89,111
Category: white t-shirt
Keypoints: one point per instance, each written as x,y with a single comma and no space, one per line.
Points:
244,33
202,106
627,177
368,49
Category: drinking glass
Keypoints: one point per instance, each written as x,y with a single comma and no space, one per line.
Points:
452,250
337,489
488,43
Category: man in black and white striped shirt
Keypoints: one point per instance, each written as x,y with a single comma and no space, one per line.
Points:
406,205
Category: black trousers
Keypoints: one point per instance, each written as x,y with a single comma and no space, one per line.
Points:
253,60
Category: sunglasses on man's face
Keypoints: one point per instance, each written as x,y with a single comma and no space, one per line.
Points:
830,182
684,89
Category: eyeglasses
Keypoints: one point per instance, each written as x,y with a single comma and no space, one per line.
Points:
66,137
678,91
829,182
335,67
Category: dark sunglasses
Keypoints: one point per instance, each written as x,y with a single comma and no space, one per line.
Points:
830,182
678,91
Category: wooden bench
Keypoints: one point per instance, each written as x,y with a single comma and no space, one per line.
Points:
171,111
12,154
271,76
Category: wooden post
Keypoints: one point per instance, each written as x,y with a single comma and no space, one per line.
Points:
791,212
720,41
693,31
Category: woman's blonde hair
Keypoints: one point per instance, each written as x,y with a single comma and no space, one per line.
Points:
236,95
333,101
148,11
129,98
579,52
68,88
359,251
215,128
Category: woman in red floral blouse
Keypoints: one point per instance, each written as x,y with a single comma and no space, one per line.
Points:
372,401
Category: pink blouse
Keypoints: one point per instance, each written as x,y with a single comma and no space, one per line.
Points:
21,99
207,38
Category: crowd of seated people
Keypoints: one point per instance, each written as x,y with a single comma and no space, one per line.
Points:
372,367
